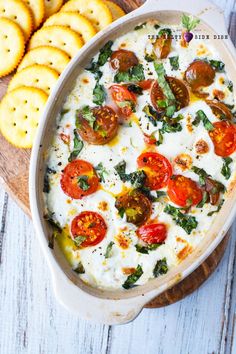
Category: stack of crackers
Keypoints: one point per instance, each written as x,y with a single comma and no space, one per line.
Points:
47,52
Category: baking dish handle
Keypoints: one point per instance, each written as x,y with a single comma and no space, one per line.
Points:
96,309
203,9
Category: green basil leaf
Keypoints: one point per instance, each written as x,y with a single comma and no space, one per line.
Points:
151,114
79,268
165,32
146,249
160,268
101,171
133,278
217,65
230,86
138,27
83,183
99,94
121,170
103,57
201,116
108,252
79,239
226,171
78,146
134,74
205,199
217,210
174,62
88,115
187,222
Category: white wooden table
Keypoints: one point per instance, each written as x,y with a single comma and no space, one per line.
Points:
32,322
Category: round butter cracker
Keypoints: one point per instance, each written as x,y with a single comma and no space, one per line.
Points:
39,76
74,21
116,10
57,36
37,8
52,6
95,10
20,111
12,46
18,11
52,57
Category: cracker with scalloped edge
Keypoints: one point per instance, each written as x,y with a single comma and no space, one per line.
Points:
20,111
37,8
57,36
18,11
74,21
12,46
95,10
116,10
52,6
52,57
39,76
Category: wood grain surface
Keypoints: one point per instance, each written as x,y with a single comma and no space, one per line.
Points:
33,322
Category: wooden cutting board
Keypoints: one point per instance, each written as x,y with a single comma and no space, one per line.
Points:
14,168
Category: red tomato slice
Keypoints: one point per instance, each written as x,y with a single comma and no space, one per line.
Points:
79,179
183,191
145,84
223,137
124,99
123,60
90,225
153,233
157,168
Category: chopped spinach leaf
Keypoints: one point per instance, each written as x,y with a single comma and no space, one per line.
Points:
165,32
108,252
149,57
121,212
79,239
133,278
230,86
218,208
121,170
174,62
83,183
78,146
79,268
217,65
205,199
138,27
226,171
160,268
203,176
172,125
146,249
134,74
135,89
99,94
88,115
160,194
201,116
104,55
151,114
101,171
187,222
170,98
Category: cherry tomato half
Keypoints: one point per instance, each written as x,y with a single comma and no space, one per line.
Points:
136,206
199,74
219,109
223,137
178,88
157,168
106,126
90,225
123,60
79,179
183,191
124,99
152,233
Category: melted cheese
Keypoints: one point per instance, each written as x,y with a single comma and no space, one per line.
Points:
128,145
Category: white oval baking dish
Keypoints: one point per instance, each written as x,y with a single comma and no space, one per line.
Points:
121,306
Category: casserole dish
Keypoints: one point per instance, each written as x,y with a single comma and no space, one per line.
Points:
115,307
